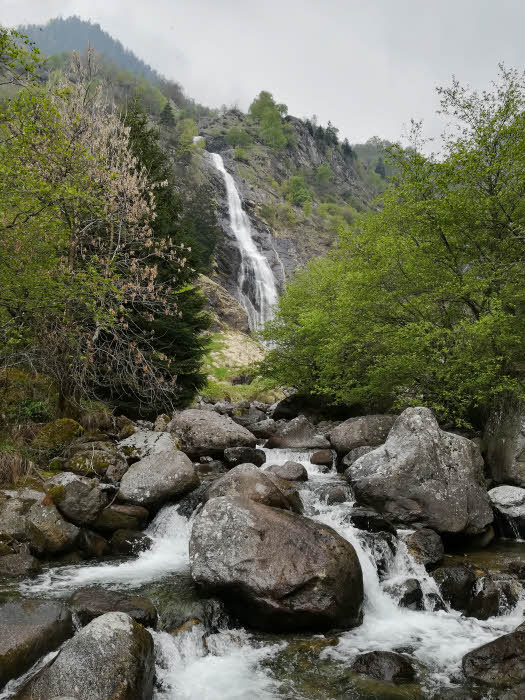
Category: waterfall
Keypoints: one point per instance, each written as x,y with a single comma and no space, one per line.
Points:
256,282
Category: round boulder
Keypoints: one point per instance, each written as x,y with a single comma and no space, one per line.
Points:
89,603
291,471
509,505
360,432
500,663
244,455
208,433
48,532
425,546
276,570
385,666
298,433
158,478
78,498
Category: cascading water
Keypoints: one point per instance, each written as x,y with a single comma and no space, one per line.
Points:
256,282
236,665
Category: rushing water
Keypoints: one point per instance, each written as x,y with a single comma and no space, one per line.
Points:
237,665
256,282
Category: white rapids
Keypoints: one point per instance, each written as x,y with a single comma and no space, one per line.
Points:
231,664
256,282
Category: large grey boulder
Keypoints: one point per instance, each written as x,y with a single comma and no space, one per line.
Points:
48,532
274,569
28,630
360,432
158,478
144,443
111,658
424,476
298,433
79,498
13,517
208,433
509,505
504,441
499,664
248,481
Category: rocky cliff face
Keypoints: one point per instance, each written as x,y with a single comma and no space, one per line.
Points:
288,234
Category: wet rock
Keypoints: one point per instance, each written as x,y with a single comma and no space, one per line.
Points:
383,547
332,492
112,657
78,498
130,542
425,476
88,603
291,471
28,630
264,429
408,594
289,491
298,433
504,440
158,478
48,532
209,433
476,592
121,517
353,456
360,432
145,443
274,569
322,458
192,500
385,666
370,520
509,505
248,481
500,663
244,455
14,565
425,546
91,544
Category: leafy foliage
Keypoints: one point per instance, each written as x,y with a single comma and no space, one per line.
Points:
269,114
423,302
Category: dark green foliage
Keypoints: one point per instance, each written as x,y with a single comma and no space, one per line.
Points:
296,190
269,115
180,339
380,168
167,118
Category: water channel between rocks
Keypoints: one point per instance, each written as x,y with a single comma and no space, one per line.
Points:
240,665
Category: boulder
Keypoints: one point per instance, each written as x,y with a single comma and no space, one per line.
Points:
353,456
408,594
28,630
48,532
244,455
384,666
331,492
121,517
88,603
508,503
249,482
499,664
158,478
424,476
209,433
369,431
504,441
130,542
425,546
13,520
15,565
78,498
54,436
289,491
248,416
322,458
92,462
298,433
274,569
291,471
264,429
112,657
144,443
455,584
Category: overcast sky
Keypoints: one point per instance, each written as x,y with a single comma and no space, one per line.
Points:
369,66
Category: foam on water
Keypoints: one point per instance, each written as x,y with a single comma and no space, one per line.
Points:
221,666
168,554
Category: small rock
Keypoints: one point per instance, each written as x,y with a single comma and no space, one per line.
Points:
48,532
324,458
385,666
14,565
234,456
332,492
408,593
500,663
370,520
130,542
425,546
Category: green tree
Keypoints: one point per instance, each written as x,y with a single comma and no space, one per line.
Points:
269,115
423,302
238,137
296,190
167,118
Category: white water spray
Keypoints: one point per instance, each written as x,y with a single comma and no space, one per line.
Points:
256,282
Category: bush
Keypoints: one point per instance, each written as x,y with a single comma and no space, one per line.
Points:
238,137
296,190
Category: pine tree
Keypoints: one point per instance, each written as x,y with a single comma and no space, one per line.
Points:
167,118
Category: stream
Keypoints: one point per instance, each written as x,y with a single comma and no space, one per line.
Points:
235,664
